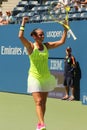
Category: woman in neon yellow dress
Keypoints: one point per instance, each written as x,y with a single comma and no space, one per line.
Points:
40,80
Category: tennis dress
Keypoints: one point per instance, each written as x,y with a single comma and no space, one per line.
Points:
40,79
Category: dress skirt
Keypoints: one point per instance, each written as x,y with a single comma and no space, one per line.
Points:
44,84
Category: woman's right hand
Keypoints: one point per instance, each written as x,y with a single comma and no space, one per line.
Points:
25,20
66,23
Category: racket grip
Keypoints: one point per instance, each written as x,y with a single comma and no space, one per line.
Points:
70,31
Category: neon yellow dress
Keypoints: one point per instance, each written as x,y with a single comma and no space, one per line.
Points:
40,79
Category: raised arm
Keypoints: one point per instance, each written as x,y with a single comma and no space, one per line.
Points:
55,44
26,43
82,2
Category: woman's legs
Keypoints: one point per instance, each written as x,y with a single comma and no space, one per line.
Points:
40,99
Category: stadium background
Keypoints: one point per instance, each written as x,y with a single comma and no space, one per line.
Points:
17,110
14,61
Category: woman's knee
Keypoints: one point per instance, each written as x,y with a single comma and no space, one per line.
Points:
39,102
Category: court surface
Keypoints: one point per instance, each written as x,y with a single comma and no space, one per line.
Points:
17,112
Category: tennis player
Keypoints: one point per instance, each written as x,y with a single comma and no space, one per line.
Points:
40,80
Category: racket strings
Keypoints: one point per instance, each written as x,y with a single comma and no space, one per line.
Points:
58,17
57,13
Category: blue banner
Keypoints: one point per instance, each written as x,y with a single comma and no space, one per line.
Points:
14,62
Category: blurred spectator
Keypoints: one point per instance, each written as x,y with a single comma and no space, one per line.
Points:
75,4
6,18
82,3
9,18
78,4
64,2
2,18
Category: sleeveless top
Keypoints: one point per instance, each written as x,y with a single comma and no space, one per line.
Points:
39,63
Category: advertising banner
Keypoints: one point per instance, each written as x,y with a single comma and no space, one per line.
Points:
14,62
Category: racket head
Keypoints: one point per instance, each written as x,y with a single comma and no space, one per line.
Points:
58,11
67,8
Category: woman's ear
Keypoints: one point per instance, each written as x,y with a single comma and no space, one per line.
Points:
34,36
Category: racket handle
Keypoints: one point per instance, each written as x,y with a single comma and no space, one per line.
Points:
70,31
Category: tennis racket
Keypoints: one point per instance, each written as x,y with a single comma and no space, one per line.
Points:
59,13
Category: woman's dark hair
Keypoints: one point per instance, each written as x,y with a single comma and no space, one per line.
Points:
34,32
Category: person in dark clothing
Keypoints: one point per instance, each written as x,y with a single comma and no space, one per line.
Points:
69,70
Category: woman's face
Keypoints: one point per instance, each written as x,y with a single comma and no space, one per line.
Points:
39,36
